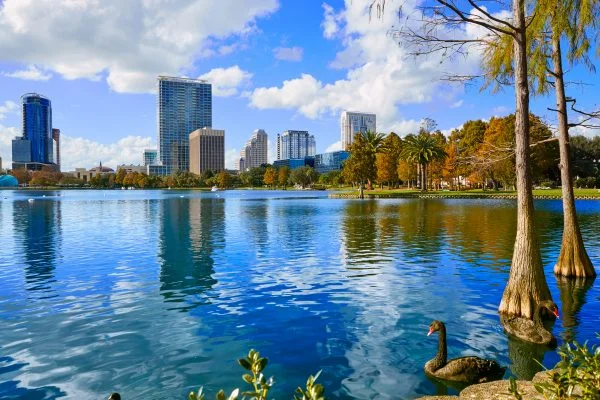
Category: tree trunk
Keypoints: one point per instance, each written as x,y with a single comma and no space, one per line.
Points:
573,260
526,283
361,191
423,177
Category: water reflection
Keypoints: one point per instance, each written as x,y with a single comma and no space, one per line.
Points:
360,249
572,298
38,223
191,230
526,358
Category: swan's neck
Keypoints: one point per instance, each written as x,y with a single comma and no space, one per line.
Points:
442,355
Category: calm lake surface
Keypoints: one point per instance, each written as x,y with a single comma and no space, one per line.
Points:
154,293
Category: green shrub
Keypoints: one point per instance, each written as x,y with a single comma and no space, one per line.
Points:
577,374
256,364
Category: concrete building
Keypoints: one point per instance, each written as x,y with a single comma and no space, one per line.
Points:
295,145
142,169
56,138
255,152
184,105
207,150
38,146
85,174
150,156
353,123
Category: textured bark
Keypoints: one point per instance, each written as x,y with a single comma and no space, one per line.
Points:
526,283
573,260
424,177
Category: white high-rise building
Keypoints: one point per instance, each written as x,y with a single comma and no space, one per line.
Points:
295,144
255,152
353,123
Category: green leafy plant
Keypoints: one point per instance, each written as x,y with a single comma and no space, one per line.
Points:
577,374
313,391
255,365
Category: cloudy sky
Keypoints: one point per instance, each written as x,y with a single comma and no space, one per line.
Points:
274,64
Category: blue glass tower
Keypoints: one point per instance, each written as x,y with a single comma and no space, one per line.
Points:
184,105
35,148
37,127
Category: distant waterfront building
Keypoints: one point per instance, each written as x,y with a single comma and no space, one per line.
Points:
353,123
254,153
293,163
242,162
150,156
295,145
141,169
184,105
56,139
85,174
35,148
333,161
207,150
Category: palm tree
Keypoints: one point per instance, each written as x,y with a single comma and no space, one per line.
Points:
422,149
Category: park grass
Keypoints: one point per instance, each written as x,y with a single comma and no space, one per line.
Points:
475,193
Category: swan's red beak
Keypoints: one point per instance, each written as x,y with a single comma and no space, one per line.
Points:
556,313
430,331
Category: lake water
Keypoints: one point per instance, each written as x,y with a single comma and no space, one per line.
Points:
154,293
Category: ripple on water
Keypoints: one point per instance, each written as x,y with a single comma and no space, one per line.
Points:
152,294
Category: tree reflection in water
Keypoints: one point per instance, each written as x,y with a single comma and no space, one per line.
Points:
572,298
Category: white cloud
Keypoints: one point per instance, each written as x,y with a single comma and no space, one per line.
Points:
225,81
457,104
288,53
8,107
334,147
128,42
232,157
32,73
7,134
78,152
331,21
500,111
379,79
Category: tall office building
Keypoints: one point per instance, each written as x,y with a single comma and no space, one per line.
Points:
207,150
254,153
184,105
150,156
295,144
56,138
35,148
353,123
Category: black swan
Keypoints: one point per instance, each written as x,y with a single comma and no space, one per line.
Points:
464,369
114,396
532,330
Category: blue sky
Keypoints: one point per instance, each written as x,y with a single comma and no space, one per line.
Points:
275,65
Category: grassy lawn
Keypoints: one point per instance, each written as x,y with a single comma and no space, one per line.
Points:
479,192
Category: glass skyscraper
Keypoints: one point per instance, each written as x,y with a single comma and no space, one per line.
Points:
184,105
295,144
35,148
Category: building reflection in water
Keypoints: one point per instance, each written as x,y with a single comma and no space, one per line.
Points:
191,230
38,224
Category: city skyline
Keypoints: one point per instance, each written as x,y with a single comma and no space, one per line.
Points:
266,71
